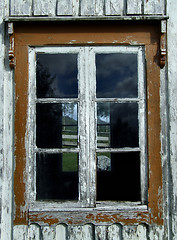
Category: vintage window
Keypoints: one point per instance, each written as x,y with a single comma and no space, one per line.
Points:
87,106
87,124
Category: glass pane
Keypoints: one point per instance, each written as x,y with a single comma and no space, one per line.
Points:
57,176
56,125
118,176
56,76
117,125
116,75
69,125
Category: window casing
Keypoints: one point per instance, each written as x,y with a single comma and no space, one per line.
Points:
87,208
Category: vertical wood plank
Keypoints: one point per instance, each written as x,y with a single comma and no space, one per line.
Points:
65,7
135,232
20,232
115,232
156,232
2,30
114,7
48,233
44,7
172,105
74,232
22,8
76,6
88,232
92,7
80,232
134,7
88,7
34,232
99,7
101,232
7,114
61,232
154,6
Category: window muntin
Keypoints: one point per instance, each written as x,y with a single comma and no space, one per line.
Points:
87,134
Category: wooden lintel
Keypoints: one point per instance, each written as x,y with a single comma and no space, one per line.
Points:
11,45
163,43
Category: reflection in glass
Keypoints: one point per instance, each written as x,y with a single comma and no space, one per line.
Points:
103,125
104,161
56,176
56,75
56,125
116,75
69,125
117,125
121,180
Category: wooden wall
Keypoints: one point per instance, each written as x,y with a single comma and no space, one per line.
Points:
88,232
86,8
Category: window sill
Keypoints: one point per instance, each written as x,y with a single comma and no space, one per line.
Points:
125,213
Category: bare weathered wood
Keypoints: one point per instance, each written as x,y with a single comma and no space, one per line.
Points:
61,232
44,7
92,7
87,7
156,232
81,232
48,233
154,6
135,232
75,232
114,7
20,232
22,8
7,170
134,7
101,232
115,232
34,232
65,7
87,232
172,105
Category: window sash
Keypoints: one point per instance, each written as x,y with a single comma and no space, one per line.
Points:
87,134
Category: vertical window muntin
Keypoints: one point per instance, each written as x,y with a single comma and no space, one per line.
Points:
86,77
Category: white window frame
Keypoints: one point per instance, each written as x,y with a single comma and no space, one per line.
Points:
87,134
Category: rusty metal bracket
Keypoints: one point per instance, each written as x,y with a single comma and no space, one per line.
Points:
163,43
11,47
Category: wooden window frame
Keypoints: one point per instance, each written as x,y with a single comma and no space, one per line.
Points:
87,127
29,35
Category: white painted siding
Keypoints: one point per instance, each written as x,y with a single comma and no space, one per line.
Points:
21,8
154,6
172,86
88,232
45,7
86,7
134,7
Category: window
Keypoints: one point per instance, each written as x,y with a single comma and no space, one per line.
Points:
89,119
87,124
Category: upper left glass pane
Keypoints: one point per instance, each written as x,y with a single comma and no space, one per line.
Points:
56,75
